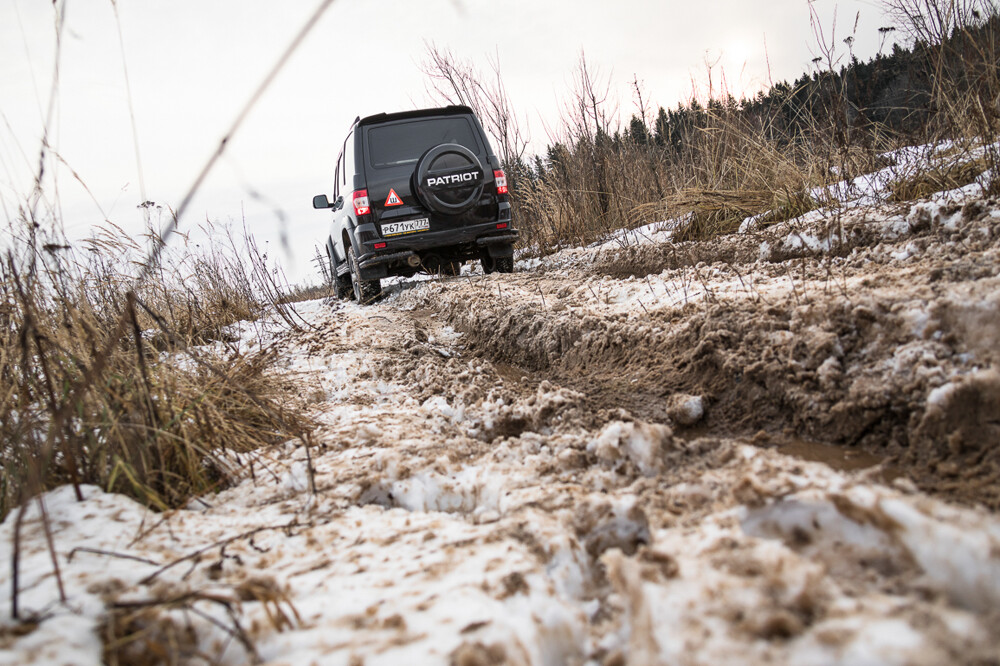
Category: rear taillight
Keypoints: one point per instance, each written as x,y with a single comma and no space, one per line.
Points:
379,246
501,179
360,199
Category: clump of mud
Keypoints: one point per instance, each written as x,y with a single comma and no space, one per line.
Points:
956,438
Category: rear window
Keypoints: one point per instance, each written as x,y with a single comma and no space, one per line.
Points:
404,143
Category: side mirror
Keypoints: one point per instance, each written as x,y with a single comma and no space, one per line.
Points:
320,201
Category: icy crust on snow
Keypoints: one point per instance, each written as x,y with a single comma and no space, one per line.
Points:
472,491
636,443
348,589
956,551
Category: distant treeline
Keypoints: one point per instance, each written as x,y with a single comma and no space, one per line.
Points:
890,93
726,159
722,160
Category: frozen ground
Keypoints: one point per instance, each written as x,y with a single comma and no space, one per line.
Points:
777,447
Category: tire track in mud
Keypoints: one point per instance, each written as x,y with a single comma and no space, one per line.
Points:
889,346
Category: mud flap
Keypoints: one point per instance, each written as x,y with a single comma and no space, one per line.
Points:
376,272
498,250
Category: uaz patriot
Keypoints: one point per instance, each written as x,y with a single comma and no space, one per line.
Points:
416,191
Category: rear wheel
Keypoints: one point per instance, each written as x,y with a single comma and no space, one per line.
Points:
341,285
365,291
497,264
450,268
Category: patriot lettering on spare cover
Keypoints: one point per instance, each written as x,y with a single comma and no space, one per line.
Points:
456,178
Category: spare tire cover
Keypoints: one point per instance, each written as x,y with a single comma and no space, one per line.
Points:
449,179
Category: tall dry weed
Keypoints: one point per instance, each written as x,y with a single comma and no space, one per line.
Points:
111,383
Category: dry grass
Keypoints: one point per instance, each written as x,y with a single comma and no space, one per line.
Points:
172,624
153,633
107,382
729,169
164,629
717,212
936,177
307,293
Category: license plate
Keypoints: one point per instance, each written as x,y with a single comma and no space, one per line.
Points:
406,227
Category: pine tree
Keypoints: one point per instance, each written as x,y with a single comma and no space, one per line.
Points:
637,131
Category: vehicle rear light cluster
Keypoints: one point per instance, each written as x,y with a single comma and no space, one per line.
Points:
379,246
360,199
501,179
502,225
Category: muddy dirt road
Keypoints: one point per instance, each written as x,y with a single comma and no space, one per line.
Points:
777,447
737,451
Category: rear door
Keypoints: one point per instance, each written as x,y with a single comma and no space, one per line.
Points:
392,153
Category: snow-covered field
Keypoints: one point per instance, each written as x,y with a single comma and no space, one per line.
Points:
781,446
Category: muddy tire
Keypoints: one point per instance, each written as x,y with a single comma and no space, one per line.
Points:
342,287
341,284
365,291
497,264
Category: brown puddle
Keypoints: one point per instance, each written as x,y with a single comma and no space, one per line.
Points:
840,458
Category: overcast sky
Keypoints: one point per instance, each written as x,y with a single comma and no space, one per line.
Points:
192,64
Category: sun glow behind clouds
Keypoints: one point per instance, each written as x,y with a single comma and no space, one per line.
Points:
743,62
739,68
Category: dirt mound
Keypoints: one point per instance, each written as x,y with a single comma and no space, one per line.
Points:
816,235
957,436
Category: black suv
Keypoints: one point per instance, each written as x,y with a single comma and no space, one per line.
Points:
416,191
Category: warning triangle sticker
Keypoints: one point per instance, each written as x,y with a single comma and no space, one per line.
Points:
393,199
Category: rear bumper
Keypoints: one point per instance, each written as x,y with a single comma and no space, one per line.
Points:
468,241
509,237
